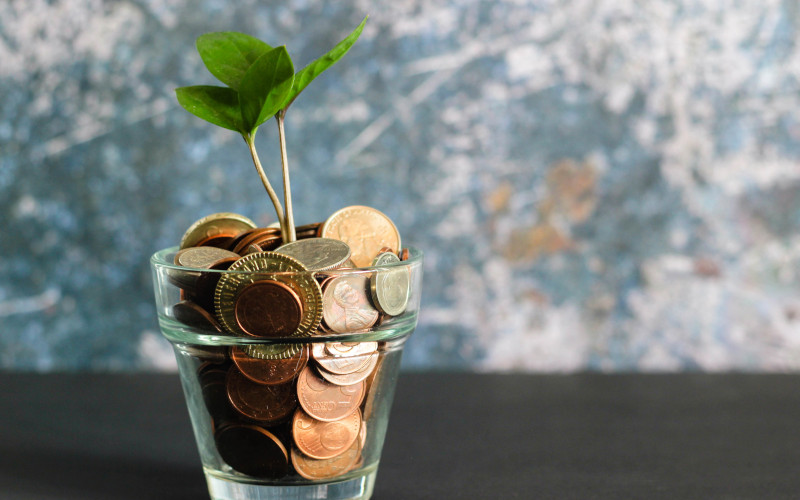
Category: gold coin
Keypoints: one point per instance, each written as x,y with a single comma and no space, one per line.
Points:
269,266
216,225
365,229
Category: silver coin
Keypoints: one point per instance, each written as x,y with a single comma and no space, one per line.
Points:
317,254
390,287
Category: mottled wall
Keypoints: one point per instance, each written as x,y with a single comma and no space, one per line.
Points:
601,184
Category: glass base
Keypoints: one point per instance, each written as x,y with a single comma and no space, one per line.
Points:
351,489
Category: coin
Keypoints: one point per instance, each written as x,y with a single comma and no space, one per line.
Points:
350,348
389,287
348,379
314,469
191,314
346,307
269,371
268,308
253,235
212,377
326,401
365,230
317,254
272,266
224,224
343,364
265,403
252,450
204,257
323,440
405,254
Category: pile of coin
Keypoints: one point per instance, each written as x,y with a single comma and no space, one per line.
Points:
291,406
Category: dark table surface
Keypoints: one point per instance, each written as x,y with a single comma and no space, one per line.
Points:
119,437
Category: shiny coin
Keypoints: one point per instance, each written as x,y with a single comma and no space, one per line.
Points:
326,401
346,307
252,450
268,308
204,257
317,254
364,229
343,364
265,403
275,267
350,348
269,371
405,254
191,314
323,440
312,468
389,287
224,224
348,379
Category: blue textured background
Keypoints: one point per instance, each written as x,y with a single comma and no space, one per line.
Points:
598,184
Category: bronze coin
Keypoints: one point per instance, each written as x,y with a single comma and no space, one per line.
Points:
313,468
269,371
215,394
251,450
191,314
253,236
265,403
405,254
268,308
365,229
323,440
345,305
216,241
326,401
348,379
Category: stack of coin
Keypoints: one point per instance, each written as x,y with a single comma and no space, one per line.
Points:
293,405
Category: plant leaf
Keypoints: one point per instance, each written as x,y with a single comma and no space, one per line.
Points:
264,87
218,105
228,55
315,68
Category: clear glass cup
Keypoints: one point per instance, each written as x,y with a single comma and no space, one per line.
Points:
258,421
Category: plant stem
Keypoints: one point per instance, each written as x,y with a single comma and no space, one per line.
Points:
276,202
287,190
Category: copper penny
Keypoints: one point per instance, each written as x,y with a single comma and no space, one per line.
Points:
224,224
405,254
265,403
348,379
191,314
268,308
251,450
313,468
323,440
326,401
345,305
343,363
254,235
365,229
269,371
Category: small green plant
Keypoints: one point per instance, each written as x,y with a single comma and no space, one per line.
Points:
260,84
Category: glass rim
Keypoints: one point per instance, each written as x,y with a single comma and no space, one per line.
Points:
159,260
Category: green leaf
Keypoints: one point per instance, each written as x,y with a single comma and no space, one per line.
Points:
228,55
218,105
313,70
264,87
